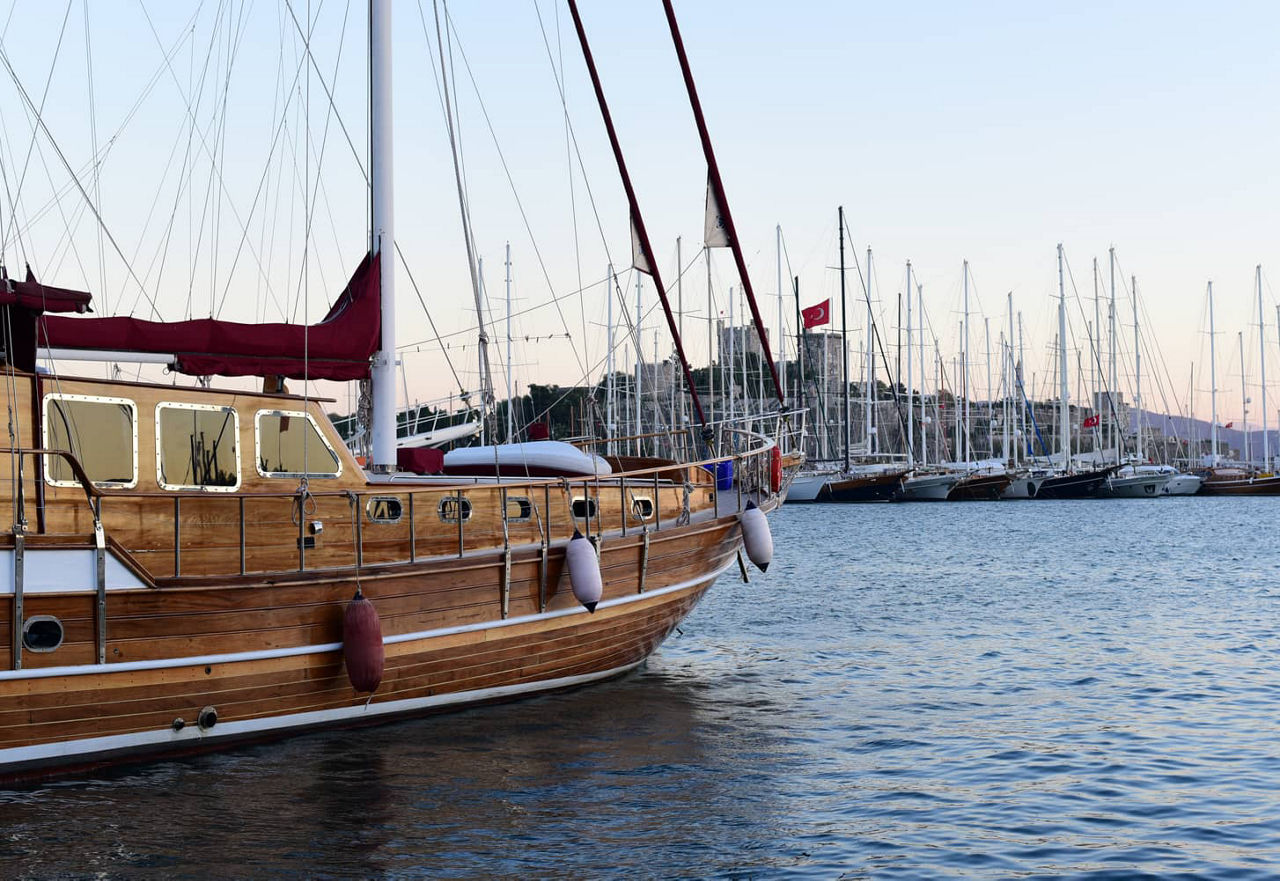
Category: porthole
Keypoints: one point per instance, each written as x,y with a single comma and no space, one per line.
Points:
519,509
42,633
642,508
384,509
584,508
453,508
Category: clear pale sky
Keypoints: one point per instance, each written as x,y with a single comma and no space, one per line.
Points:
989,132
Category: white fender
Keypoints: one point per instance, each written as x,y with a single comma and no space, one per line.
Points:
584,571
756,537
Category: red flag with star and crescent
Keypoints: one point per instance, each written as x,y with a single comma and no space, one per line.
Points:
819,314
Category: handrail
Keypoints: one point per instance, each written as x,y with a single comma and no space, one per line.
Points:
90,490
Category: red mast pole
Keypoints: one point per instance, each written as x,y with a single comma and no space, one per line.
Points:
717,188
637,222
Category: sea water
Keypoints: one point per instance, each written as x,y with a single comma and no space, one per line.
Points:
1081,689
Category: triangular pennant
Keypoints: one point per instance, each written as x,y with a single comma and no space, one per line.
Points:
715,232
638,260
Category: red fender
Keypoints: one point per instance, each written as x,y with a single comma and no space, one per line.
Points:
362,644
775,470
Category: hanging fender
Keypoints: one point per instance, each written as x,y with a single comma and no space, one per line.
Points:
362,644
775,471
756,537
584,571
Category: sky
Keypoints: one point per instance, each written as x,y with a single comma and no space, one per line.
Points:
988,132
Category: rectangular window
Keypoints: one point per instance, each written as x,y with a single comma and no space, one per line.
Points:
102,433
290,445
197,447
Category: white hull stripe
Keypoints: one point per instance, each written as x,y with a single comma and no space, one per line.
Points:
142,741
236,657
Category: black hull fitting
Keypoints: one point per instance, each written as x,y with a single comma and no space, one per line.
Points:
872,488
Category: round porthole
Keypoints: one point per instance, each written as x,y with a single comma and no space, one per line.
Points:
41,633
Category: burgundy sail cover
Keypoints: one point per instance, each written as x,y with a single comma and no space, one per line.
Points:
337,348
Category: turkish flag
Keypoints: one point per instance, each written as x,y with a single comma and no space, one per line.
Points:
819,314
1092,421
1228,425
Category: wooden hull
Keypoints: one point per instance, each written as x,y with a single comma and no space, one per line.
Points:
1245,486
56,719
864,488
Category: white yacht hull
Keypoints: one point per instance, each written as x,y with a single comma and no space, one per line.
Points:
928,487
807,487
1140,486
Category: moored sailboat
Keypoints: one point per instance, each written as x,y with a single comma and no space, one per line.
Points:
180,568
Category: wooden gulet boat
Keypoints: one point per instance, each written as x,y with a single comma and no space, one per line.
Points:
180,559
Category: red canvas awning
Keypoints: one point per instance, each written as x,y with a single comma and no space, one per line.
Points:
37,297
338,347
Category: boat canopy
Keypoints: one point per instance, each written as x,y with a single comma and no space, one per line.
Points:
338,348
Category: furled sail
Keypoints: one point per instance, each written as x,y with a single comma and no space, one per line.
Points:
338,347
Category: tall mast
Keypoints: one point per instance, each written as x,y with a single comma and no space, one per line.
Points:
717,189
991,443
1022,404
1137,368
1262,356
383,372
962,441
510,419
1064,405
610,383
1213,388
911,422
924,430
637,221
782,340
869,371
639,383
1244,396
1010,386
1117,433
844,344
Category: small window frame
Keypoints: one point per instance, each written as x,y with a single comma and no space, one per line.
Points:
235,428
41,619
370,505
461,503
49,398
309,475
637,503
524,505
588,504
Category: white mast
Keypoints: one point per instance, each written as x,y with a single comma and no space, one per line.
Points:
1137,368
610,383
782,337
870,368
924,418
1064,405
383,372
1025,443
1262,355
1010,386
639,383
911,432
731,385
1095,366
1117,431
1213,389
962,442
991,442
1244,397
510,416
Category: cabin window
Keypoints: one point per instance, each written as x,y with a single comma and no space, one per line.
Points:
384,509
519,509
642,508
102,433
197,447
42,633
583,508
451,508
290,445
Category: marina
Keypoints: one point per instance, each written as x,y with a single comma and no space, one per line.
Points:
578,440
